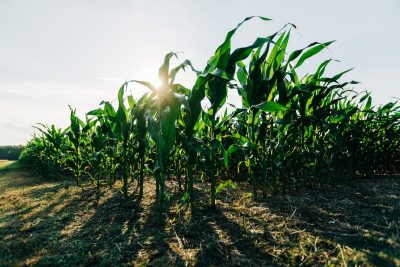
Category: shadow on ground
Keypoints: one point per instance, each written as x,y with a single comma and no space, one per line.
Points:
57,223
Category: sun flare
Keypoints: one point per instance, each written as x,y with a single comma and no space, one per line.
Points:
157,84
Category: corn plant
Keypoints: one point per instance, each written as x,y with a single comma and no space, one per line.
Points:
162,119
291,132
139,114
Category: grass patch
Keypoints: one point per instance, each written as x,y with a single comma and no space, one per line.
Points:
57,223
7,166
5,163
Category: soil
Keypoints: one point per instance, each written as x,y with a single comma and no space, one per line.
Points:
55,223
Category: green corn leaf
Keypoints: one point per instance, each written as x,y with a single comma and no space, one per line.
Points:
297,53
96,112
163,72
109,109
269,106
311,52
369,103
182,66
232,148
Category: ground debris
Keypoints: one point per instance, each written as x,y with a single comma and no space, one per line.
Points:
48,223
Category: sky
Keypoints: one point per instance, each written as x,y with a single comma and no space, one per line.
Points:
73,52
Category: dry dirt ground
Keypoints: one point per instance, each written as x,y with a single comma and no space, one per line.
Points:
54,223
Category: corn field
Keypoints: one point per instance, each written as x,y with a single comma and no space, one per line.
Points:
290,132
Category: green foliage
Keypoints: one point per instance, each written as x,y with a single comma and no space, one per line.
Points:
225,186
10,152
291,131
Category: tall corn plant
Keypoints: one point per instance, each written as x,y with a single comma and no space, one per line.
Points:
119,124
106,119
219,71
290,131
99,143
75,135
139,114
161,120
53,143
257,83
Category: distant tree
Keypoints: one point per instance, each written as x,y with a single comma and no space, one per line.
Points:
10,152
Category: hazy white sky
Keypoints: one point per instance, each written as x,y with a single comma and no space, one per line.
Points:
55,53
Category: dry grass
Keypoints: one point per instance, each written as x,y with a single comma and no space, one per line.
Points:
56,223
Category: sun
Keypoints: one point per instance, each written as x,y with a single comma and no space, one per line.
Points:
157,84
